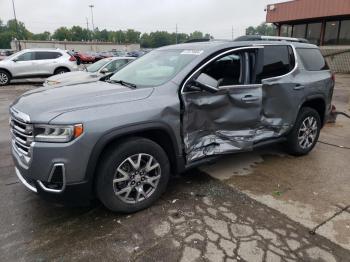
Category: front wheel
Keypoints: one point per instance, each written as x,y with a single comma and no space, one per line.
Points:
305,133
133,175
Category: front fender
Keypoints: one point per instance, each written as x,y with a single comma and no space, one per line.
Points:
120,132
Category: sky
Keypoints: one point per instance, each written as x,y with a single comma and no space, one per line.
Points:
217,17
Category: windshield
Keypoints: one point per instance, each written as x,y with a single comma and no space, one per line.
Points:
154,68
97,66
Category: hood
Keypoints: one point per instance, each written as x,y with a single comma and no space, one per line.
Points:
71,78
44,104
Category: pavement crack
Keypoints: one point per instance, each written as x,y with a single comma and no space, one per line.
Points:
334,145
344,209
12,183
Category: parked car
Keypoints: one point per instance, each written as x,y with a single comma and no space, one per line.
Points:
31,63
84,58
5,53
92,73
106,54
119,53
173,109
136,53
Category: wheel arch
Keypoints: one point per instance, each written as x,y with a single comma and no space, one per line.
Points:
160,133
61,67
319,104
7,71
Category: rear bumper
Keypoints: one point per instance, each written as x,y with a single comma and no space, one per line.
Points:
77,194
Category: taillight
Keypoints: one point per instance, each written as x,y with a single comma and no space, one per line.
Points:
72,58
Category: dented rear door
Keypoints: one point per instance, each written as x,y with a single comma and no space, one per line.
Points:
283,90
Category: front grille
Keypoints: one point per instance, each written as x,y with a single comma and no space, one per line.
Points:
22,136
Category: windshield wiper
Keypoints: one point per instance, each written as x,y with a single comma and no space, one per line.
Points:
123,83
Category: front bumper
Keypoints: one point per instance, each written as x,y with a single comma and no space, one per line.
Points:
77,194
56,171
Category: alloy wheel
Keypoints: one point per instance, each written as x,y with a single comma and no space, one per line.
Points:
3,78
136,178
307,132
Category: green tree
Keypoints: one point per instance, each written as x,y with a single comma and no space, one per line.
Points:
23,33
5,39
120,37
62,33
196,35
161,38
77,33
146,41
102,35
182,37
262,29
156,39
132,36
42,36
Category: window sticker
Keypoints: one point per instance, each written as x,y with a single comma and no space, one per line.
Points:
192,52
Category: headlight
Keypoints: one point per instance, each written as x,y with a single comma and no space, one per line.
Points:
56,133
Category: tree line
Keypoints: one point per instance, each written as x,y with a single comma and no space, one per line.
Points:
156,39
262,29
10,31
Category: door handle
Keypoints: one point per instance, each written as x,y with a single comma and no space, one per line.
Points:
298,87
249,98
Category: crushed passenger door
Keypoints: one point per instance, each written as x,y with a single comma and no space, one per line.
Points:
227,120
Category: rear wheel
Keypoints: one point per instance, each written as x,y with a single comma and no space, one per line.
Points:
4,78
132,176
305,133
61,71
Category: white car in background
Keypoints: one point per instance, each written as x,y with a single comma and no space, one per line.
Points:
33,63
92,73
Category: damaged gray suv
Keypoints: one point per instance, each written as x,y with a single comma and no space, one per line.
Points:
175,108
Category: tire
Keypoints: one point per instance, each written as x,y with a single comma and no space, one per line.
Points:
5,78
61,71
125,195
304,135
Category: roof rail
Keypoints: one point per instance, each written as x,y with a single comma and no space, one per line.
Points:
270,38
196,40
199,40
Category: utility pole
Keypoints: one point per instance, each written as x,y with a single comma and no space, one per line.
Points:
176,34
87,28
14,14
92,18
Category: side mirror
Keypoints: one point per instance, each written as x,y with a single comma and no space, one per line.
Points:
15,60
104,71
207,83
